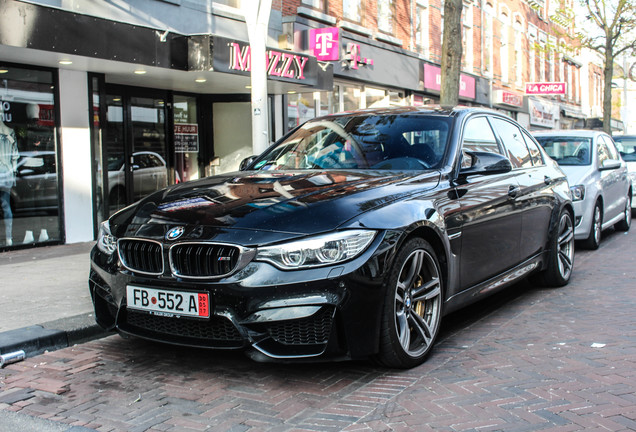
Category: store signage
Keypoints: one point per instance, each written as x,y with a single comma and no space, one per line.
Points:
543,113
279,64
508,98
236,57
433,81
186,137
5,115
547,88
354,58
324,43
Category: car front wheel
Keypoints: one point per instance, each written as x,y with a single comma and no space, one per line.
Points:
626,222
413,306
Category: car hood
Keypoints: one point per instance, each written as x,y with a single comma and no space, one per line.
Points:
296,203
577,175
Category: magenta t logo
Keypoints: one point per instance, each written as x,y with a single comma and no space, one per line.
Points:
324,43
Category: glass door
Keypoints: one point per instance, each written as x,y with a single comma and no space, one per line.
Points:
136,147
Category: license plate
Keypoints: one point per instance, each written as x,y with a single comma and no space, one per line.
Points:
168,303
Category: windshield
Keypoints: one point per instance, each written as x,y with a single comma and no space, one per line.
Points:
398,142
567,150
627,147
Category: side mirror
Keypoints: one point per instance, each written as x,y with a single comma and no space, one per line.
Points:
485,163
247,162
610,164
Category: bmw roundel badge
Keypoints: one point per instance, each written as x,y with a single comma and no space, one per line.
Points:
174,233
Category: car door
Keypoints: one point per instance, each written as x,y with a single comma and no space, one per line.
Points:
612,178
531,203
491,225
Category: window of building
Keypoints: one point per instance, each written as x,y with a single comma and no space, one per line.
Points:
186,138
353,10
29,169
422,27
519,53
488,41
543,42
532,56
505,48
386,16
300,108
467,38
315,4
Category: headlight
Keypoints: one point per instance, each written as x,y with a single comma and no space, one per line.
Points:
106,242
317,251
578,192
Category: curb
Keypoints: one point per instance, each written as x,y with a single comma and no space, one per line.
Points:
51,336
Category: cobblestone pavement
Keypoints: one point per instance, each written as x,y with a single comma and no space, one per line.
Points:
526,360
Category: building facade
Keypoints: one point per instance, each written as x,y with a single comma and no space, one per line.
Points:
109,102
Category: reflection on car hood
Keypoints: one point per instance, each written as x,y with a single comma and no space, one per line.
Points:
577,174
631,167
300,202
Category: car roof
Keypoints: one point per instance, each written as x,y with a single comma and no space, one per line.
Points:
568,132
424,109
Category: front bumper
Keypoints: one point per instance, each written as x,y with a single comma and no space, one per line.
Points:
329,311
583,215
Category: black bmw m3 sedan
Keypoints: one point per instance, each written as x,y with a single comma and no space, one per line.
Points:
350,238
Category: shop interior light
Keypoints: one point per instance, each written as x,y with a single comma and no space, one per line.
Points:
140,72
65,62
248,86
3,70
200,80
292,92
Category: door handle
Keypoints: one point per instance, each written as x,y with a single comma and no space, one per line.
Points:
513,191
547,180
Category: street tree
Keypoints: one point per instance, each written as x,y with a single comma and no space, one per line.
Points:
451,52
611,32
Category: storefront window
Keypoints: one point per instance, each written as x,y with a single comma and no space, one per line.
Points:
186,139
96,84
376,98
300,108
29,193
329,102
350,98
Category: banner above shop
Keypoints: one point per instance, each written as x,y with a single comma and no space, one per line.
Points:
543,113
505,97
547,88
433,81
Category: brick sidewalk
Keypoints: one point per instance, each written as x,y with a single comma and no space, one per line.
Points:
529,359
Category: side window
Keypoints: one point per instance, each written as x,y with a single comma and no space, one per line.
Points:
535,154
602,150
514,143
613,153
478,136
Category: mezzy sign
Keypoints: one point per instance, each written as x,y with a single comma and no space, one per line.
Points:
235,57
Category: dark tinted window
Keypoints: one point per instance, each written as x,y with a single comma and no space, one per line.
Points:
535,153
514,143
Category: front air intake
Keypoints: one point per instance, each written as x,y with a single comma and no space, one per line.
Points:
141,256
204,260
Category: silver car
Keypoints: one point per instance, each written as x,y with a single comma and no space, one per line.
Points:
626,145
599,181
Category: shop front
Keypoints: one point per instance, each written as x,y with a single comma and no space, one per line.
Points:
544,114
30,205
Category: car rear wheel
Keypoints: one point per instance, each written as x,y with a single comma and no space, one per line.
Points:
594,239
626,222
561,256
412,308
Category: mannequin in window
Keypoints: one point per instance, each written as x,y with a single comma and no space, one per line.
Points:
8,164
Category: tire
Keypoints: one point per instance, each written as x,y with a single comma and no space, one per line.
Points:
626,222
412,310
561,256
594,239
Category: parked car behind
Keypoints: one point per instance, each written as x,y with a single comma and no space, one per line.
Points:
601,188
36,188
349,238
626,145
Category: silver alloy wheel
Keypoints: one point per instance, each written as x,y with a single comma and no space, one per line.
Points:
596,224
566,245
418,297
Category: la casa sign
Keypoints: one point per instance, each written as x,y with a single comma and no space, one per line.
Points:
547,88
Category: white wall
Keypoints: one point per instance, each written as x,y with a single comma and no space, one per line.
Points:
76,156
232,134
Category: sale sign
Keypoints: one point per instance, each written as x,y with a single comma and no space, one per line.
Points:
547,88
